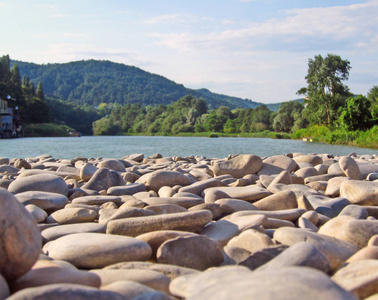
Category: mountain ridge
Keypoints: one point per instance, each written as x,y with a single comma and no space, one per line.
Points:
101,81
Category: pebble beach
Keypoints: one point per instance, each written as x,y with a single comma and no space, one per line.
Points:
290,226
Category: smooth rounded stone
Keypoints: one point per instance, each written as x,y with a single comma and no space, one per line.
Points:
333,187
237,282
234,255
6,169
283,177
4,161
152,279
298,189
335,169
300,254
4,289
20,242
38,214
248,193
128,189
373,241
350,168
130,201
143,195
56,232
107,205
134,290
318,185
287,214
360,192
87,170
306,172
222,231
307,224
372,176
97,200
276,164
5,182
359,277
368,252
337,251
95,208
322,169
312,216
64,291
367,167
155,180
107,215
330,207
278,201
21,163
309,158
238,166
44,200
251,240
349,229
198,187
324,177
156,238
261,257
165,209
236,204
355,211
188,221
46,272
103,179
166,191
186,194
112,164
185,202
303,203
266,180
196,252
273,223
97,250
217,210
171,271
72,215
41,182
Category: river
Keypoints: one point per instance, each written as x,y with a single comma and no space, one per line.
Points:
119,146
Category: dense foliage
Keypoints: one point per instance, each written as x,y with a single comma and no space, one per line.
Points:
93,82
188,114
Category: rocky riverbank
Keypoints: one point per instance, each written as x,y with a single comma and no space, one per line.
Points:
294,226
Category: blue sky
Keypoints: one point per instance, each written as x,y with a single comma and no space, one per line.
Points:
246,48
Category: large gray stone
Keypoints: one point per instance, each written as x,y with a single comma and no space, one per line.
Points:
247,193
44,200
240,283
276,164
350,168
128,189
155,180
56,232
238,166
188,221
196,252
360,192
41,182
337,251
64,291
97,250
20,242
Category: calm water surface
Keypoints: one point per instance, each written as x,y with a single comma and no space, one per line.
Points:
119,146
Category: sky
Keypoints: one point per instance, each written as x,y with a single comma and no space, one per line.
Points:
251,49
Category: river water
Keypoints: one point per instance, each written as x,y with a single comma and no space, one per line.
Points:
119,146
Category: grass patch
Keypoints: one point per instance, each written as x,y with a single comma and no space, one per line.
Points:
47,130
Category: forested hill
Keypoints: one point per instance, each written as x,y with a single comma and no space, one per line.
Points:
94,82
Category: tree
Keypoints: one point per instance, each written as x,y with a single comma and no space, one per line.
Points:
39,92
325,92
357,114
286,116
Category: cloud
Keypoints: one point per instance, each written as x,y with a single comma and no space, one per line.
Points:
338,27
177,19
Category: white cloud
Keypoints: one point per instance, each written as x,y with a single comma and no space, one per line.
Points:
336,27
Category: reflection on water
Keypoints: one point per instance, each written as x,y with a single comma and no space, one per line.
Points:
119,146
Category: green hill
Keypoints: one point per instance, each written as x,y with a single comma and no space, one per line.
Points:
93,82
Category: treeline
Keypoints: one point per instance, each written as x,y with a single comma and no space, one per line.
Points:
191,115
94,82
